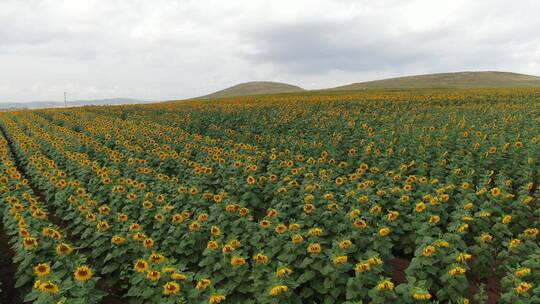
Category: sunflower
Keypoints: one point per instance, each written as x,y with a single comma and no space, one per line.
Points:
153,275
283,271
215,230
30,243
434,219
62,249
117,240
103,226
42,269
457,271
421,295
297,239
384,231
522,272
315,231
385,285
216,299
265,224
314,248
49,287
212,245
178,276
83,273
203,284
251,180
141,266
148,243
428,251
279,289
157,258
360,224
261,258
171,288
514,243
361,267
342,259
237,261
495,192
523,287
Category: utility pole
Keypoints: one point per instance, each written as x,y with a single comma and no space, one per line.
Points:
65,99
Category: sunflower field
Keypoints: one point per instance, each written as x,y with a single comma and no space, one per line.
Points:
425,196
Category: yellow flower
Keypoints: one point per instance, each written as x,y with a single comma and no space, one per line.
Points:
62,249
171,288
157,258
216,299
523,287
103,226
251,180
279,289
117,240
314,248
83,273
297,239
486,237
342,259
315,231
361,267
384,231
212,245
456,271
506,219
265,224
385,285
237,261
153,275
420,207
463,228
203,284
375,261
281,228
215,230
421,295
178,276
30,243
360,224
429,250
345,244
514,243
148,243
141,266
49,287
261,258
495,192
283,271
42,269
531,232
463,257
522,272
392,216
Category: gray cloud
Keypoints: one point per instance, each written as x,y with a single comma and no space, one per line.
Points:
166,49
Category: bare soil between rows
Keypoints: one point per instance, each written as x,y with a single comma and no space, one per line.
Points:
9,293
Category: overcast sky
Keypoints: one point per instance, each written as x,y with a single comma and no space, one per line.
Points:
167,49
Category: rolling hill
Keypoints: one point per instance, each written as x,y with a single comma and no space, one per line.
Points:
487,79
254,88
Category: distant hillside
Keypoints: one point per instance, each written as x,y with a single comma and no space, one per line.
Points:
449,80
254,88
73,103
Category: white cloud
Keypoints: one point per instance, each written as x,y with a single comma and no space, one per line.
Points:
166,49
